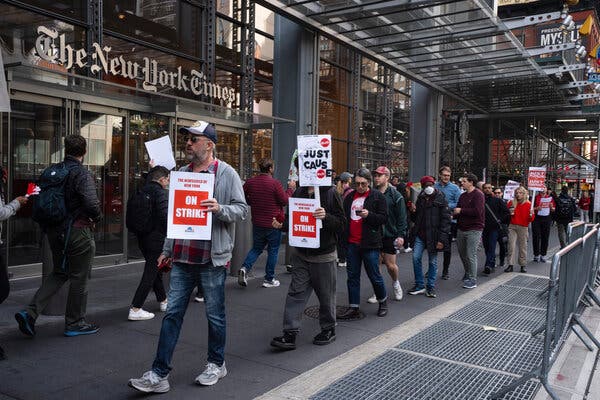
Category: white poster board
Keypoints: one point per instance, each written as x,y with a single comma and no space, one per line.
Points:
303,230
314,160
509,190
597,196
161,151
187,218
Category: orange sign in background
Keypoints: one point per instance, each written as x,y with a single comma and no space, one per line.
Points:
187,210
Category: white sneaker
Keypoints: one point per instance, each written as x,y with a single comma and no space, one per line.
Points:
150,383
407,250
398,293
270,284
342,264
139,315
372,299
163,306
242,279
211,374
199,299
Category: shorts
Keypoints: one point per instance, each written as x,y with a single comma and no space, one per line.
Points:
388,245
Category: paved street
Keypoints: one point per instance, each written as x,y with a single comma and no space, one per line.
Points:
51,366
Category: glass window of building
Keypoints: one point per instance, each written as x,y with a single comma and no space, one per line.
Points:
75,9
262,141
228,43
264,19
263,56
173,24
334,52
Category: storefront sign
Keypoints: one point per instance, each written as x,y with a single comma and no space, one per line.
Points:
553,34
314,160
187,218
509,190
153,77
536,179
593,77
303,230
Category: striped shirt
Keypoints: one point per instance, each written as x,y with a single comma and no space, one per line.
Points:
194,251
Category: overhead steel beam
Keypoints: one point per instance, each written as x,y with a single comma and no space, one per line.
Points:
452,49
401,31
531,20
371,6
564,68
459,59
460,35
575,84
555,48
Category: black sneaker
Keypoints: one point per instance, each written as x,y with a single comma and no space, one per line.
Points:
285,342
2,354
26,323
81,329
326,336
445,276
509,269
242,279
430,292
416,290
351,313
487,270
383,309
523,269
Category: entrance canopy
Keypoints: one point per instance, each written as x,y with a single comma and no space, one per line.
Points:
459,48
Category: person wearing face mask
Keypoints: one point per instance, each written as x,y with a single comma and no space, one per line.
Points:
7,210
431,232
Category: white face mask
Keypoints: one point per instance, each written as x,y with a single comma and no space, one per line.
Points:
429,190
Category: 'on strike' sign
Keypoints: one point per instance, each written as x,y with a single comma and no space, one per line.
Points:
536,180
303,230
187,218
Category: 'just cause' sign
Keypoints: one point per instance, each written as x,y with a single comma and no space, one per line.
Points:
149,72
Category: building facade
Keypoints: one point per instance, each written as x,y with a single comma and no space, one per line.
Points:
121,73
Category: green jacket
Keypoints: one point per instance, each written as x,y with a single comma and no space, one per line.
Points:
395,225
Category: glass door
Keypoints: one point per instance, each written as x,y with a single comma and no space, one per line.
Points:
104,130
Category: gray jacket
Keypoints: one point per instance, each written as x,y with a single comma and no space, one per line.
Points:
7,211
230,195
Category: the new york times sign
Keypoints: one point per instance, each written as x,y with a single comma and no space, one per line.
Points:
52,47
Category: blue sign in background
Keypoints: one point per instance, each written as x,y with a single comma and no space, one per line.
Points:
594,77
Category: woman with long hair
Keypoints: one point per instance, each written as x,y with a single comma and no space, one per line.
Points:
521,215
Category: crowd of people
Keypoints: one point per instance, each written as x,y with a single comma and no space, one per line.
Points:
366,218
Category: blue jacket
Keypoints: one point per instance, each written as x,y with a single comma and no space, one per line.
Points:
452,193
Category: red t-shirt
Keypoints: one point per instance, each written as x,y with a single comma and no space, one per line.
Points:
358,201
584,203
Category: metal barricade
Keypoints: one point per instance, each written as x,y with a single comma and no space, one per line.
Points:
575,230
568,284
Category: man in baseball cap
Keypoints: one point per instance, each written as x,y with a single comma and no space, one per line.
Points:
200,128
394,230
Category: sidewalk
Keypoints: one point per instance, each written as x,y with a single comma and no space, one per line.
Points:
98,367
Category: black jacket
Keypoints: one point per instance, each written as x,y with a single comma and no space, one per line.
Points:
160,211
435,215
81,197
333,224
500,210
372,228
564,218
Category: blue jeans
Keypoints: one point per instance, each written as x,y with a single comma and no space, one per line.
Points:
490,238
184,278
262,237
418,250
370,257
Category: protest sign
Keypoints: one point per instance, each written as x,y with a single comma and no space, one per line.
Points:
536,179
187,218
293,173
314,160
161,151
509,190
303,230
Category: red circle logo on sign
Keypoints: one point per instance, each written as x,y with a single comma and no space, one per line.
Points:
325,142
320,173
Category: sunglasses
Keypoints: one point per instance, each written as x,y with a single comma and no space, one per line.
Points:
365,183
194,138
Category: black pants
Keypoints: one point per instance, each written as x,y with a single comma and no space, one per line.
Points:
448,254
502,244
541,232
151,278
4,286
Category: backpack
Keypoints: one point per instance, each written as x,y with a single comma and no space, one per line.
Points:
138,217
49,207
564,207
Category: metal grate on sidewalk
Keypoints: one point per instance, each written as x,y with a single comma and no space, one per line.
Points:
530,282
499,315
399,375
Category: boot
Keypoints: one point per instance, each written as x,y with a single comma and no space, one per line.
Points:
523,269
325,337
285,342
508,269
445,273
383,309
352,313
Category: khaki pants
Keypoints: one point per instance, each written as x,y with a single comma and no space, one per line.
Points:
517,236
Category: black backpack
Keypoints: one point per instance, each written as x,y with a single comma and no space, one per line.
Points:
138,217
49,207
564,208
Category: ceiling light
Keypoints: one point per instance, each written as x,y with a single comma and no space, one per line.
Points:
572,120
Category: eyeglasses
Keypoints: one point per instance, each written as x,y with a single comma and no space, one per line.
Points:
364,184
194,139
